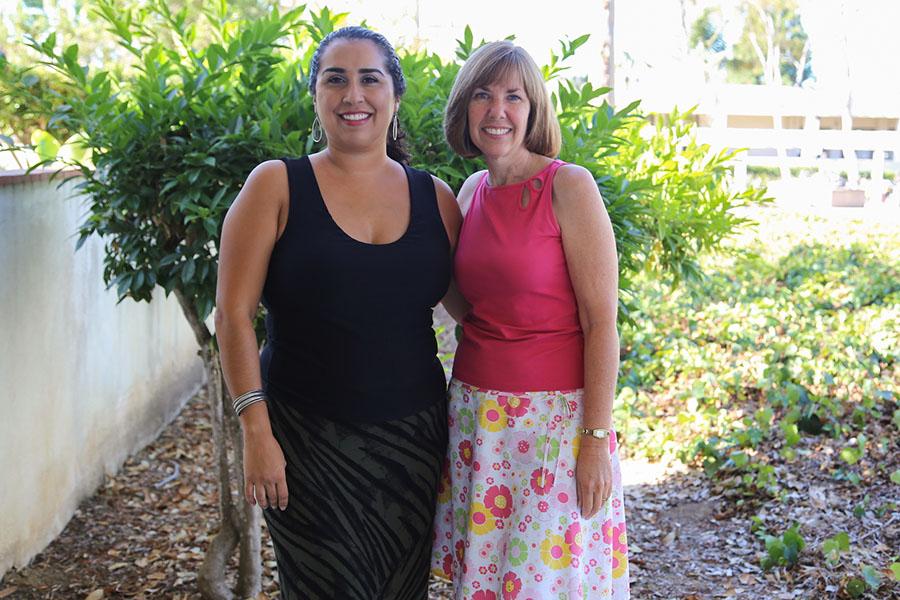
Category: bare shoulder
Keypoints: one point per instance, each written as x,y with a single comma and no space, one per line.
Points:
268,181
262,202
575,191
573,181
467,191
443,191
446,199
448,208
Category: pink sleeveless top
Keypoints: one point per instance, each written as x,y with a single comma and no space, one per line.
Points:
523,332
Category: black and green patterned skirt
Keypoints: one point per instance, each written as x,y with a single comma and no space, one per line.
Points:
362,498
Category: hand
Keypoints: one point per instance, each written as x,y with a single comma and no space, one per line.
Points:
593,475
264,478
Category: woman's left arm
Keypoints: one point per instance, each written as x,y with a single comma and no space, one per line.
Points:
590,250
453,301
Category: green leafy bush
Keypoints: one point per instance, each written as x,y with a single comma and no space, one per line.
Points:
173,141
783,550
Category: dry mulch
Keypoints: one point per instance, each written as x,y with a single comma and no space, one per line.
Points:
143,534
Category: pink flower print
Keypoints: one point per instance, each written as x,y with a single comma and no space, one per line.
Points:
448,566
613,443
620,539
606,528
541,481
524,446
492,568
498,499
465,452
484,595
543,506
460,551
512,585
573,538
615,536
514,406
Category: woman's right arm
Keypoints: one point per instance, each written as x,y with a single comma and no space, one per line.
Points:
252,226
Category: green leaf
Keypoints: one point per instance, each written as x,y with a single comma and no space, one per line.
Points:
850,455
855,587
895,570
187,272
871,576
46,146
739,459
895,477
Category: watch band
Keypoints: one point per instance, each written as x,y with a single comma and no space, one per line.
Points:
597,433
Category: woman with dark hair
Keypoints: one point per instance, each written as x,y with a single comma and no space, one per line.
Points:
344,413
533,506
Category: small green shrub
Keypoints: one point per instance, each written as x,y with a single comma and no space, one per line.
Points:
783,550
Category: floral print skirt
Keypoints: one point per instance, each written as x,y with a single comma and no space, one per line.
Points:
508,525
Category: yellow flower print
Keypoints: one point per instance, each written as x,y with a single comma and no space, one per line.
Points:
480,519
620,564
490,416
555,552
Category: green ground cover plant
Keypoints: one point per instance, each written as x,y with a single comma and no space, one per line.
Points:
782,358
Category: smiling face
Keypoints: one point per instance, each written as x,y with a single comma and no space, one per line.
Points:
354,95
498,116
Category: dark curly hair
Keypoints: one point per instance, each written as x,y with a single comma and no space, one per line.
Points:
396,149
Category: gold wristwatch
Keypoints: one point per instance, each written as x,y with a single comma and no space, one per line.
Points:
600,434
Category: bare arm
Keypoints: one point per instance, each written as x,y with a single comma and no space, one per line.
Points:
251,228
590,250
454,301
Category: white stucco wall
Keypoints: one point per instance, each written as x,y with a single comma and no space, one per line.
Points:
84,382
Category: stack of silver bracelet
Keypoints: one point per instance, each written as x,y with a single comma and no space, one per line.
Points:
246,399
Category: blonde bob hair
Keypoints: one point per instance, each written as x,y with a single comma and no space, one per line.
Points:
486,65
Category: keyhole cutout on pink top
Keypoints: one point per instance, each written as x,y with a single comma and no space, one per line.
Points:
535,183
526,197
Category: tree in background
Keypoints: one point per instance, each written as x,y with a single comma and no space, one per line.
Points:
753,41
29,92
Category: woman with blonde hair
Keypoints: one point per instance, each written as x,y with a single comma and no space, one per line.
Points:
531,506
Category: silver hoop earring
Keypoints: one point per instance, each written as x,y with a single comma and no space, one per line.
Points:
395,127
316,130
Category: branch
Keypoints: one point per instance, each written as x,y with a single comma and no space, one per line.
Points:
800,65
201,331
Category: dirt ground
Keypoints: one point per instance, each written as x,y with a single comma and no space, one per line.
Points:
144,532
136,538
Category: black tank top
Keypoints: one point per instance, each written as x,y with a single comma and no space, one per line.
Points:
349,324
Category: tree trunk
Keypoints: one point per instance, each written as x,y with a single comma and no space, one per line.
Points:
249,582
608,53
239,522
